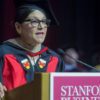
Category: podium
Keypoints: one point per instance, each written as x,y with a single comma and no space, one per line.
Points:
38,89
58,86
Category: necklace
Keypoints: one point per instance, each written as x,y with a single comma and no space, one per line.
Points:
34,59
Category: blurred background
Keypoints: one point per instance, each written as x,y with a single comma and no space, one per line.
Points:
79,26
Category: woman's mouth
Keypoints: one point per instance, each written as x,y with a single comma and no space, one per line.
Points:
40,34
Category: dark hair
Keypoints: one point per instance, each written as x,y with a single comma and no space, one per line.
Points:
24,10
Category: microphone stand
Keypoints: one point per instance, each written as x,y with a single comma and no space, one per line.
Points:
79,61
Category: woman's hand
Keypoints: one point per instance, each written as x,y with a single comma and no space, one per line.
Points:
2,90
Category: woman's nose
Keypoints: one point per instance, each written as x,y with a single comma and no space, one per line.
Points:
40,25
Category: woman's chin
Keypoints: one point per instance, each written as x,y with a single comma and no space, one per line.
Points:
40,41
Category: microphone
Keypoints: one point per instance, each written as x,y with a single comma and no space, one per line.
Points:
79,61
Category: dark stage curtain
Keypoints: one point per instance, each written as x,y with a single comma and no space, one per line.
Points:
79,25
7,14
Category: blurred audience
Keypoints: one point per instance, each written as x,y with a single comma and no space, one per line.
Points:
70,64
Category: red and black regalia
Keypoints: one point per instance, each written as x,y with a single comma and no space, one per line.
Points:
16,68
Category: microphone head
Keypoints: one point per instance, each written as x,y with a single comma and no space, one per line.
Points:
60,51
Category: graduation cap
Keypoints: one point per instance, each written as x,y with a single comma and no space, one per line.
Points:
44,4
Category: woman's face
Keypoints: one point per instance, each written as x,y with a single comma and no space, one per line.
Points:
30,33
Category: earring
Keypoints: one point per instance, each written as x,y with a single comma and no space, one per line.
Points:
19,32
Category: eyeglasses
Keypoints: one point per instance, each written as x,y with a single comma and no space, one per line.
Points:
36,22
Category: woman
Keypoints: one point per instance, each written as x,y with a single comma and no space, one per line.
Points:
24,55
